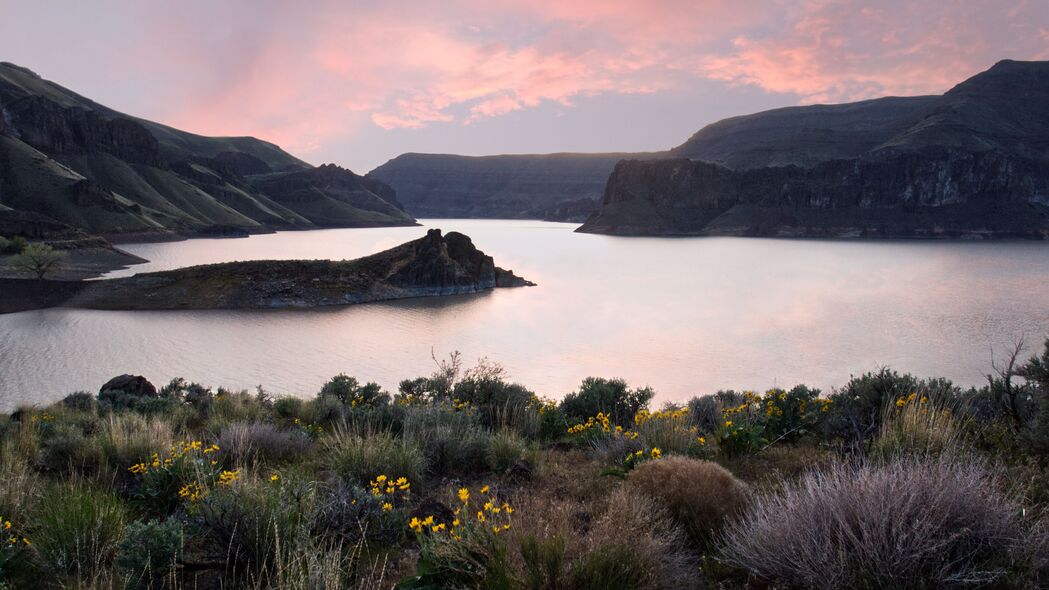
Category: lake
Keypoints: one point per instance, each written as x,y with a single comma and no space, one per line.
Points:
684,315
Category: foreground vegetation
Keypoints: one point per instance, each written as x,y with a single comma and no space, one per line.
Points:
465,480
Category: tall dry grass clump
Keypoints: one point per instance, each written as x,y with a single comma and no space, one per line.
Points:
128,437
636,544
913,523
701,495
920,426
247,442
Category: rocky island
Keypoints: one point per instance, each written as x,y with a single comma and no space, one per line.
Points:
430,266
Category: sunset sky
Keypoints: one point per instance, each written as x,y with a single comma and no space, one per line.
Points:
357,83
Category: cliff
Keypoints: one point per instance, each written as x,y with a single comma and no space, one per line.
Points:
433,265
556,187
973,162
75,162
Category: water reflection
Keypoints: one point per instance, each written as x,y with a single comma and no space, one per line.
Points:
683,315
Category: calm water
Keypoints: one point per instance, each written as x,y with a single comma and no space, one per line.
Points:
684,315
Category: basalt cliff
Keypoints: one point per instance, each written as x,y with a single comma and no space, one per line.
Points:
973,162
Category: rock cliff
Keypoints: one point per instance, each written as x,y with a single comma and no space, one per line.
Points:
971,163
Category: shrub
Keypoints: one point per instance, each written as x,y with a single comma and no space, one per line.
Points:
349,514
914,523
856,410
290,408
544,561
243,443
635,545
608,396
149,552
76,530
701,495
261,524
67,450
611,566
668,430
789,415
497,402
359,458
350,392
81,401
505,450
704,413
917,427
453,442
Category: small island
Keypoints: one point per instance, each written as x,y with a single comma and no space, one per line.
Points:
430,266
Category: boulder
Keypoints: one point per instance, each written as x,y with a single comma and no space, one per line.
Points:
131,385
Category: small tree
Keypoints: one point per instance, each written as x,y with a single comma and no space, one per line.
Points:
38,259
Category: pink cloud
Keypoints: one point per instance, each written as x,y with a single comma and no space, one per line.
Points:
304,78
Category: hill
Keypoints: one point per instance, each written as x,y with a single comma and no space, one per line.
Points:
973,162
73,161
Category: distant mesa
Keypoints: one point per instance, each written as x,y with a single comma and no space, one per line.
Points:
434,265
551,187
69,162
972,163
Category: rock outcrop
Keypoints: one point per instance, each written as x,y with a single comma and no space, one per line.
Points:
971,163
433,265
75,162
554,187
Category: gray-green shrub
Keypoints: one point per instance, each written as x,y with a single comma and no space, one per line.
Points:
149,552
914,523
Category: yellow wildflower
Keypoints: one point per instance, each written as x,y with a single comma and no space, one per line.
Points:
464,495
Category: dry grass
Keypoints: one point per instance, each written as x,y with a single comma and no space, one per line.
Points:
918,429
914,523
657,555
701,495
128,438
247,442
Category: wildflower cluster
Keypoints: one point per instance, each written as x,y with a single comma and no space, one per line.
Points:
10,535
486,514
674,414
181,475
903,402
228,478
313,431
640,456
543,405
601,420
391,491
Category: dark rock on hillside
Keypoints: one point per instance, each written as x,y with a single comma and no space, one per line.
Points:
556,187
332,196
971,163
130,385
75,162
430,266
243,164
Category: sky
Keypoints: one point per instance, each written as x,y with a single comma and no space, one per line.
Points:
359,82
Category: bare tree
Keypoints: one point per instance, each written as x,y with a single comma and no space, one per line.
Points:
38,259
1005,393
